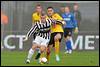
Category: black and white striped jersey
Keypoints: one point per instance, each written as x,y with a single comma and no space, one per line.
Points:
43,28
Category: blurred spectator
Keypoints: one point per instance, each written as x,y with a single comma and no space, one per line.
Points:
62,10
4,18
77,13
37,13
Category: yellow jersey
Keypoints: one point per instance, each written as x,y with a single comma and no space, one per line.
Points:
57,27
35,17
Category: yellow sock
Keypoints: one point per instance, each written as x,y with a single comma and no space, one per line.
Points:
57,47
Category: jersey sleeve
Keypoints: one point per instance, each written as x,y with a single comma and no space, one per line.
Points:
32,30
53,21
59,17
33,18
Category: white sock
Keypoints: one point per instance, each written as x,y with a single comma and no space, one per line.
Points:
31,52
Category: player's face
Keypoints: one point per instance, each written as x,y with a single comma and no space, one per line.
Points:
75,7
67,9
39,9
62,9
50,11
43,18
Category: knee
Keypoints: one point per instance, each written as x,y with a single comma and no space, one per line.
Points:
57,37
42,49
67,38
34,47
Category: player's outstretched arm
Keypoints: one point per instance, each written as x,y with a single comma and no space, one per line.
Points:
62,22
26,38
32,30
58,21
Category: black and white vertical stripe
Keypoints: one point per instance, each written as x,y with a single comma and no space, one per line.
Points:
43,29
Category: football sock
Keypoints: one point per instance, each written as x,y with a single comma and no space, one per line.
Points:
57,47
38,56
31,52
68,45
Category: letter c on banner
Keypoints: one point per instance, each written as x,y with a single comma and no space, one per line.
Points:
6,42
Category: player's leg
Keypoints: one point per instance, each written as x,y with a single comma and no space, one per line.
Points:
31,52
68,44
43,47
36,42
51,42
38,55
57,44
68,36
42,50
37,49
48,52
34,36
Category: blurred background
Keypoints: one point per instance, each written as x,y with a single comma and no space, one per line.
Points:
19,15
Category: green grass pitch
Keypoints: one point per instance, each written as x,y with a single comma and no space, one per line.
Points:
77,58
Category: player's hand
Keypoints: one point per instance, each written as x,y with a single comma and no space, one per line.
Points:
76,30
63,22
26,38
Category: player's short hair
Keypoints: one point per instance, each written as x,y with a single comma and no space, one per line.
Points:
38,5
43,13
50,7
76,4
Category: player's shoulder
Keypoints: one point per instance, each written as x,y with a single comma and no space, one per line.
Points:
34,14
63,14
56,14
37,22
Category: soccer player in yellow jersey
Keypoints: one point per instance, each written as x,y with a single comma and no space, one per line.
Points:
36,16
37,13
56,33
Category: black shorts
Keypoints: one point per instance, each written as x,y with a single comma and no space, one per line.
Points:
52,38
68,32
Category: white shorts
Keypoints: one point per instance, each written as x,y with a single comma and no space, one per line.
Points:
41,41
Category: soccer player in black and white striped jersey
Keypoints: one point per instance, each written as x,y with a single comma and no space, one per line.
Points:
43,36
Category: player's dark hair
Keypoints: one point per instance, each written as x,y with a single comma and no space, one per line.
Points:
50,7
76,4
